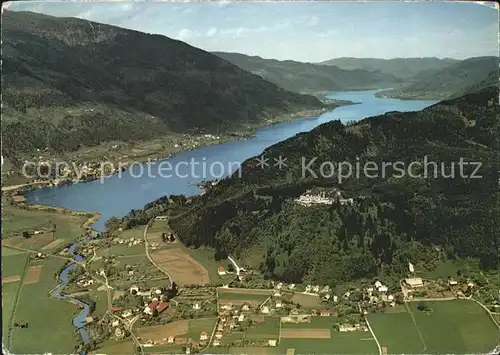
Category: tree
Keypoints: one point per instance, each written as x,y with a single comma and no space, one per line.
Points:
155,312
26,234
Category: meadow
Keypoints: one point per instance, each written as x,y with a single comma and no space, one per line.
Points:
456,326
50,320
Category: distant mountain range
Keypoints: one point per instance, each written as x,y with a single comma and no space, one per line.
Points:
309,77
457,79
405,68
68,83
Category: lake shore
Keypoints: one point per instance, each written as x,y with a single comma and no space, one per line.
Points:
208,139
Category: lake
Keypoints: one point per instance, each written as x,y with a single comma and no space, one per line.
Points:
180,174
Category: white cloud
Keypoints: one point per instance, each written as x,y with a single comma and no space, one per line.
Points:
184,34
212,32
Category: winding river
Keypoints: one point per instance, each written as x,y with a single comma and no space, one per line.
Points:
118,194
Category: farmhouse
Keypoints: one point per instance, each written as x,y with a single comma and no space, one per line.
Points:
245,307
218,335
383,288
203,336
277,294
126,313
414,282
196,306
315,288
279,304
452,283
159,306
325,313
216,342
221,271
265,310
272,342
170,339
241,318
227,307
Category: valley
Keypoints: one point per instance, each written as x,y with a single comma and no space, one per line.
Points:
250,178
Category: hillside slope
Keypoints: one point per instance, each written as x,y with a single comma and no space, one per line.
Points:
394,219
308,77
405,68
68,82
451,81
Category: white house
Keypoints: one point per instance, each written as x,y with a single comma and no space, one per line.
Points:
453,282
277,294
241,318
308,288
221,271
378,284
315,288
218,335
203,336
196,306
216,342
335,298
126,313
272,342
279,304
170,339
265,310
326,297
383,288
291,286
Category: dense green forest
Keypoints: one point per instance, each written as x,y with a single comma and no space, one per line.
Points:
69,82
393,220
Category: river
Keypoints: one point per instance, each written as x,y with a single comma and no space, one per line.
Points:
117,195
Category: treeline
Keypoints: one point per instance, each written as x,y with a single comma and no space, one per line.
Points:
422,219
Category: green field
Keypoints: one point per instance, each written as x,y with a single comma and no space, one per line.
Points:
50,327
9,294
457,327
6,251
205,256
122,249
196,326
269,329
13,265
241,294
122,347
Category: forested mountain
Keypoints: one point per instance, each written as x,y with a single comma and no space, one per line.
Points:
453,80
405,68
68,82
423,218
309,77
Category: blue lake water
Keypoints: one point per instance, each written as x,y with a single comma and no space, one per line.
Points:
118,194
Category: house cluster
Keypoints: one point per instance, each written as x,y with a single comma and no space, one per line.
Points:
130,242
85,282
380,292
309,199
296,319
323,292
352,328
38,256
229,309
226,322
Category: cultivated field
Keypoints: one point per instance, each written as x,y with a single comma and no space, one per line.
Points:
39,310
457,327
123,347
305,333
32,274
37,241
181,266
306,301
159,332
320,327
13,265
188,329
268,329
238,296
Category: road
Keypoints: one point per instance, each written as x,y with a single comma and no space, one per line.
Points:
238,269
369,328
146,244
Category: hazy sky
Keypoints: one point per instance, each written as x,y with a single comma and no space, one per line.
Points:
306,31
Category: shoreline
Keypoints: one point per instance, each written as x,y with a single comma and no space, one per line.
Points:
21,189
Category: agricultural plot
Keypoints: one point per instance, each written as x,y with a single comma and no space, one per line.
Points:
184,269
36,307
188,329
113,347
122,250
238,296
268,329
13,265
457,326
9,296
37,241
307,301
320,337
